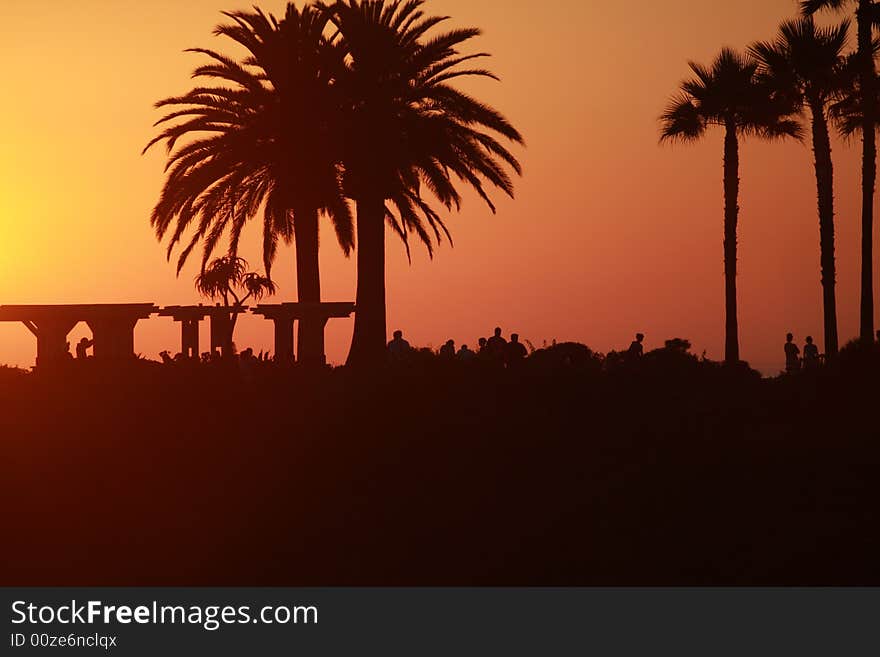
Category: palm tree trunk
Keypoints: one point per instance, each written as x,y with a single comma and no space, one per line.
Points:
869,164
226,330
230,337
368,342
731,214
310,333
825,194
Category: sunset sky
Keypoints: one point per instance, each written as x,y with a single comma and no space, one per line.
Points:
610,233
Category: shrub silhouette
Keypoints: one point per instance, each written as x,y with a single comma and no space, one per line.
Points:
857,359
566,355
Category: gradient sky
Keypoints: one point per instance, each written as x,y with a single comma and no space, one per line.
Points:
610,232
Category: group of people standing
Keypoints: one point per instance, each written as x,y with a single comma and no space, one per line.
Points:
794,362
495,349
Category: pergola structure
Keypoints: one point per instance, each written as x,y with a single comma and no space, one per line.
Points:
284,314
112,326
189,318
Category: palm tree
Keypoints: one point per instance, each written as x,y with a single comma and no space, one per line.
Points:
867,16
408,128
227,279
846,112
805,65
262,136
728,94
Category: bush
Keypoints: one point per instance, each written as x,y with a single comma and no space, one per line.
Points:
567,355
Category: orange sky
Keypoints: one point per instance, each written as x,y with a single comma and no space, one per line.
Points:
610,232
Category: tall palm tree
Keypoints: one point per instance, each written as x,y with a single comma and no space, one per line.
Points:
408,128
262,136
728,94
867,16
805,64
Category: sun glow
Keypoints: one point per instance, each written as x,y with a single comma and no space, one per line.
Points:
9,210
18,222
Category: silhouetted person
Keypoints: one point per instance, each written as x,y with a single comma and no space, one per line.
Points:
247,364
792,354
398,348
516,351
636,349
448,350
811,354
483,350
82,348
466,355
496,346
166,358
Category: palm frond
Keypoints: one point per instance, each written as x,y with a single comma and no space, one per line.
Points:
433,136
732,92
236,143
810,7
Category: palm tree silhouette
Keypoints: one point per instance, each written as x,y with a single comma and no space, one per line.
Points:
867,16
728,94
270,143
846,111
407,127
227,279
805,64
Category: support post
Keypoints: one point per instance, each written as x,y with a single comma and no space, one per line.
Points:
283,340
189,338
114,337
314,316
52,347
311,338
220,332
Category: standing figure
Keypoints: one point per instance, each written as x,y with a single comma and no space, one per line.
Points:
398,348
811,354
497,346
792,355
465,355
635,348
516,351
447,351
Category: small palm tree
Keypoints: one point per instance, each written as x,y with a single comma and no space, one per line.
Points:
262,137
227,279
805,64
407,128
867,17
728,94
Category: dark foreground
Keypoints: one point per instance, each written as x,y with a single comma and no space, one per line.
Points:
671,472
